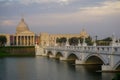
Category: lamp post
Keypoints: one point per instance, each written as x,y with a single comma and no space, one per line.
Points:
96,38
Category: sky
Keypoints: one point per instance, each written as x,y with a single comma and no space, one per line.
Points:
97,17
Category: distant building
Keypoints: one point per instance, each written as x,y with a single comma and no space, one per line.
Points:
50,39
24,37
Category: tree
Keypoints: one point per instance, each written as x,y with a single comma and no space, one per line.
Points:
81,39
3,40
61,40
89,41
73,41
105,41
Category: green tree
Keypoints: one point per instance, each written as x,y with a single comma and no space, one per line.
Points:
3,40
61,40
73,41
105,41
89,41
81,39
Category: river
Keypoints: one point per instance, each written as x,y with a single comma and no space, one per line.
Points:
43,68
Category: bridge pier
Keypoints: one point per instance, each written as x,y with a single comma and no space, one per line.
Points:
79,62
52,56
63,58
38,50
107,68
44,54
65,55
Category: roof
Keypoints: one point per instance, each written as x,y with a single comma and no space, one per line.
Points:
22,26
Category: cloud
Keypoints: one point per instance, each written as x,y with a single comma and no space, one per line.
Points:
105,8
7,23
87,14
96,17
41,1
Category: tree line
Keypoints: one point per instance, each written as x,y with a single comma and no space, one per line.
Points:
73,41
3,40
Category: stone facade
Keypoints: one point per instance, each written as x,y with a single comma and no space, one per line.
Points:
50,39
24,37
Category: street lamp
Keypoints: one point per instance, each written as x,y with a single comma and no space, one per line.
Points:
96,38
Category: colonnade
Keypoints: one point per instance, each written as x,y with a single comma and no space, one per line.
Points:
26,40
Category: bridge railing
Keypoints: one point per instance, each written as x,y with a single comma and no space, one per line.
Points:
87,49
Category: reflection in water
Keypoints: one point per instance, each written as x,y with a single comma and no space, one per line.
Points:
42,68
2,69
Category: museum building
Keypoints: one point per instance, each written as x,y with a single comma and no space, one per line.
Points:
25,37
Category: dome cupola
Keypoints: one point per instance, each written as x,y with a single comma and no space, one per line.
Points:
22,26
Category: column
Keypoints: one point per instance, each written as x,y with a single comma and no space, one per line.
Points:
20,40
30,40
33,40
24,40
13,40
27,40
16,40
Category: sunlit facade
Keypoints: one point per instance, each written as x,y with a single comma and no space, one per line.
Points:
24,37
50,39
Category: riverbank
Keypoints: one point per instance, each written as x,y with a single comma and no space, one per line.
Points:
17,51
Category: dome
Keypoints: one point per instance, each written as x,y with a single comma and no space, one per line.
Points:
83,34
22,26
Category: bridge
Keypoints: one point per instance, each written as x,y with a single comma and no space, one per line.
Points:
107,56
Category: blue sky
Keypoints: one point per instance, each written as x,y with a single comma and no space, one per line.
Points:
97,17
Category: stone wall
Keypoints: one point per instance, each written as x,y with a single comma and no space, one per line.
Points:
28,50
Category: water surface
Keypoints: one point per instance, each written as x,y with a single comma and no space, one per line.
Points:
42,68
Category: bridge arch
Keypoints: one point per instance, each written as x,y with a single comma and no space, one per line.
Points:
72,56
117,66
95,59
58,55
49,53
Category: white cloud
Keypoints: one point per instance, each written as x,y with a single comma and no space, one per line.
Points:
27,2
7,23
44,1
105,8
87,15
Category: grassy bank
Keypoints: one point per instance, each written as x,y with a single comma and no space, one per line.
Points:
17,51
